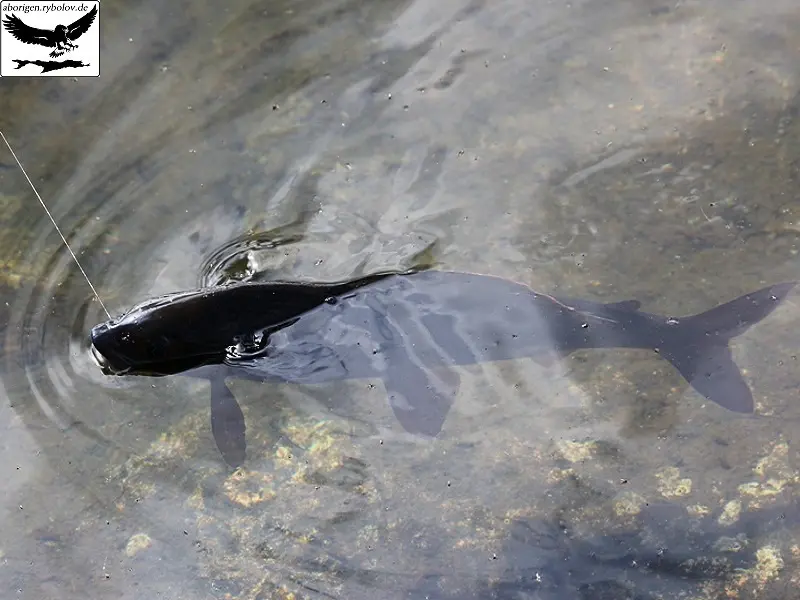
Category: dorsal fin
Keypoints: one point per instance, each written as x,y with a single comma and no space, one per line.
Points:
631,305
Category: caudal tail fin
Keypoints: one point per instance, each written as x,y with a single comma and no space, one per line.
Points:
699,346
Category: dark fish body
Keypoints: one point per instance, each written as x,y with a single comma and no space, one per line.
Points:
402,328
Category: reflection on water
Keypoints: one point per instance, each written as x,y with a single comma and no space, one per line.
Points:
600,149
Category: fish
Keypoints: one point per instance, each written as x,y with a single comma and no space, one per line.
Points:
406,329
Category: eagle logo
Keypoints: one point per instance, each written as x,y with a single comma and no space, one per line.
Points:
61,38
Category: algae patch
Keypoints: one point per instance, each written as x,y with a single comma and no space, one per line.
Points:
672,485
137,543
730,513
629,504
576,451
248,488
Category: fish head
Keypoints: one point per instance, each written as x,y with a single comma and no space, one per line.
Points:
164,336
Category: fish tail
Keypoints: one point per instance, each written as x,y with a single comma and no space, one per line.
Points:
700,350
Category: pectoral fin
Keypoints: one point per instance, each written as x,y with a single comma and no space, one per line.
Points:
421,399
227,424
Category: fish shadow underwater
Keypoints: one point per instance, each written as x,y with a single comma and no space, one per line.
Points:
665,553
406,328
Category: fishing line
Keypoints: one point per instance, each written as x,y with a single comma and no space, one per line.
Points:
44,206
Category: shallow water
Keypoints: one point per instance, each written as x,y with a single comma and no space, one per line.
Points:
602,149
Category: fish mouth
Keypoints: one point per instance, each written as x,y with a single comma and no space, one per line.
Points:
103,363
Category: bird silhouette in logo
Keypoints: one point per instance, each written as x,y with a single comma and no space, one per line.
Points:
61,37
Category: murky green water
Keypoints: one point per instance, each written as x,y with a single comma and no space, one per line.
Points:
602,149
